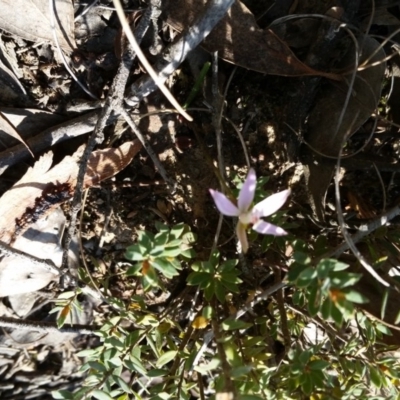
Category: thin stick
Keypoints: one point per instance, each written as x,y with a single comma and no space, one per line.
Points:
46,327
148,148
158,81
363,231
177,52
113,102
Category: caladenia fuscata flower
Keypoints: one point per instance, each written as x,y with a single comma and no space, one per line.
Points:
251,215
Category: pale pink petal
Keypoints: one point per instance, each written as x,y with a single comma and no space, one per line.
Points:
224,205
242,236
247,191
268,229
271,204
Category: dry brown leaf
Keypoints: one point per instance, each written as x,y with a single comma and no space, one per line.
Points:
30,19
323,134
42,189
239,40
104,164
7,128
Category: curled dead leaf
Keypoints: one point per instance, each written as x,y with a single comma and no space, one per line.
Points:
31,20
239,40
324,135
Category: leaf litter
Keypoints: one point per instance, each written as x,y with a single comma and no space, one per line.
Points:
127,193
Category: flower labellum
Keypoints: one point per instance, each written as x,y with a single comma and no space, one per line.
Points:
249,215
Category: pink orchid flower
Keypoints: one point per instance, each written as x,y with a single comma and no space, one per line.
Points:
251,215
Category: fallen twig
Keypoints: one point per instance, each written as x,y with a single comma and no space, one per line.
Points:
148,148
113,102
46,327
363,231
177,52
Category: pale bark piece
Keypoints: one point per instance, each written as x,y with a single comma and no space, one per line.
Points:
31,20
11,90
42,189
323,133
7,128
239,40
43,240
29,122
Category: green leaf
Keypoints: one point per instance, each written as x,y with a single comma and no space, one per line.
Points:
356,297
214,258
294,272
63,315
232,287
326,308
66,295
231,277
339,266
145,239
89,353
148,320
304,357
122,384
318,379
188,253
306,277
171,252
134,270
376,377
97,366
161,227
100,395
337,316
384,329
207,312
205,368
133,364
307,385
173,243
154,373
219,291
161,239
228,265
114,343
299,298
203,279
135,253
189,238
166,358
209,292
318,364
314,300
231,324
385,298
177,230
301,258
341,280
165,267
62,394
324,268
